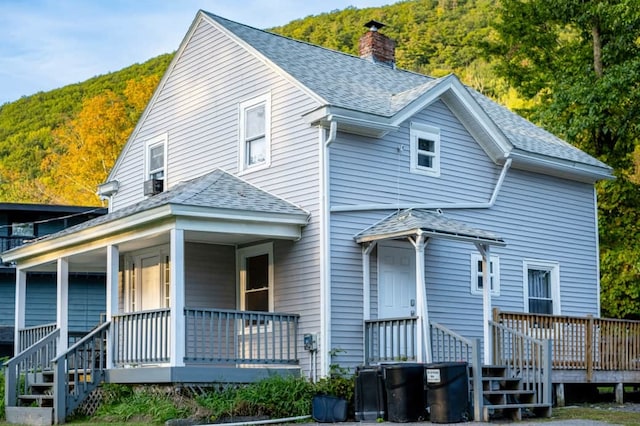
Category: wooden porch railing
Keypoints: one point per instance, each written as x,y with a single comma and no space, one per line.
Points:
585,343
24,368
392,339
246,337
141,337
526,358
28,336
448,346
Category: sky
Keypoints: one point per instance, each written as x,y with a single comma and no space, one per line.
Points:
46,44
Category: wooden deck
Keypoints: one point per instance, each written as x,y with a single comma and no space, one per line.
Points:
585,350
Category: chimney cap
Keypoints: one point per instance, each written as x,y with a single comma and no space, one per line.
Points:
374,25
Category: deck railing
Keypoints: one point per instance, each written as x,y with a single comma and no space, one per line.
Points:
526,358
7,243
28,336
388,340
79,371
141,337
585,343
26,367
448,346
245,337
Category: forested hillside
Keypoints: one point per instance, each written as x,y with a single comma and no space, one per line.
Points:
570,66
49,141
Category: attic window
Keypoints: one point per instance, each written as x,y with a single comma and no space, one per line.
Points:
255,133
425,149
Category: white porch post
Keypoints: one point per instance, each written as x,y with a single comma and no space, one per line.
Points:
21,304
62,312
366,279
423,341
177,338
112,297
485,251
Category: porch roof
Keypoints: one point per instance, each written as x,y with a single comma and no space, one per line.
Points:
410,222
217,196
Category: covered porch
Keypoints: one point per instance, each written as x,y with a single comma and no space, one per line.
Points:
190,293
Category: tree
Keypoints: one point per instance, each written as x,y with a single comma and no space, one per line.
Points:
580,60
88,145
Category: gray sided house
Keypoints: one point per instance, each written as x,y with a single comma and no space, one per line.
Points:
22,223
281,207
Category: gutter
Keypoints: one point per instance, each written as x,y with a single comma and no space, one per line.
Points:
432,206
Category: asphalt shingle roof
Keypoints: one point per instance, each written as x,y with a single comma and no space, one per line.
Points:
216,190
413,221
349,82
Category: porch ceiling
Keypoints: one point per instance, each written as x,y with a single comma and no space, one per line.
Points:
414,222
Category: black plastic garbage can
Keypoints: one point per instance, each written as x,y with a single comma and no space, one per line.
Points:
371,403
447,391
404,385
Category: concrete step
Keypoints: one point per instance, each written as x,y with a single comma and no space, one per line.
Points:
33,416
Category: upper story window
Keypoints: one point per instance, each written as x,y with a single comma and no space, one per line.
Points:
541,287
155,165
477,282
255,133
425,149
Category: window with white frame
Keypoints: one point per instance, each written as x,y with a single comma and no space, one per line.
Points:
477,283
255,272
255,133
425,149
541,286
156,160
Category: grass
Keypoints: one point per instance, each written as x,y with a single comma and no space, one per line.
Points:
608,413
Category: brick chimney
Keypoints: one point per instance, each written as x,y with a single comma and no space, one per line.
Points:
376,47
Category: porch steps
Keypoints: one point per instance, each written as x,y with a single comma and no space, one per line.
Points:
505,397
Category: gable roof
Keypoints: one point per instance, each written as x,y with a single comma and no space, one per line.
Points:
217,194
413,222
368,91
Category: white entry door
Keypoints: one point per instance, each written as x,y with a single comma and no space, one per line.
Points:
396,281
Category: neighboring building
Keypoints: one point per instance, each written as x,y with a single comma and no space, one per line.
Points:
23,223
277,199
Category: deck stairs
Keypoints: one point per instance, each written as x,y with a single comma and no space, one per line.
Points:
43,390
507,397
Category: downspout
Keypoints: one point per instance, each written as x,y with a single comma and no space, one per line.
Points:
325,249
432,206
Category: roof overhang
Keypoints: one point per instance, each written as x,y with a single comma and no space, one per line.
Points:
414,223
256,225
573,170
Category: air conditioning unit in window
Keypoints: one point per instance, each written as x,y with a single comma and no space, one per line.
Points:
153,186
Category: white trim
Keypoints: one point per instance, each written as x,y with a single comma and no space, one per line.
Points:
133,263
176,297
241,257
243,164
554,270
475,273
62,309
422,131
596,228
20,307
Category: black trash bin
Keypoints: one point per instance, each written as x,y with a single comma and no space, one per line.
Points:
447,391
370,397
404,385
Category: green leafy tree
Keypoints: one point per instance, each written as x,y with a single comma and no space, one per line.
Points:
580,61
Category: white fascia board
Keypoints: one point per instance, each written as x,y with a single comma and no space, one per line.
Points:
261,229
350,121
98,232
454,94
573,170
239,215
262,58
442,235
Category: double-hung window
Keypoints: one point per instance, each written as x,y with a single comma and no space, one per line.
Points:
425,149
156,162
542,287
255,133
255,273
477,283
